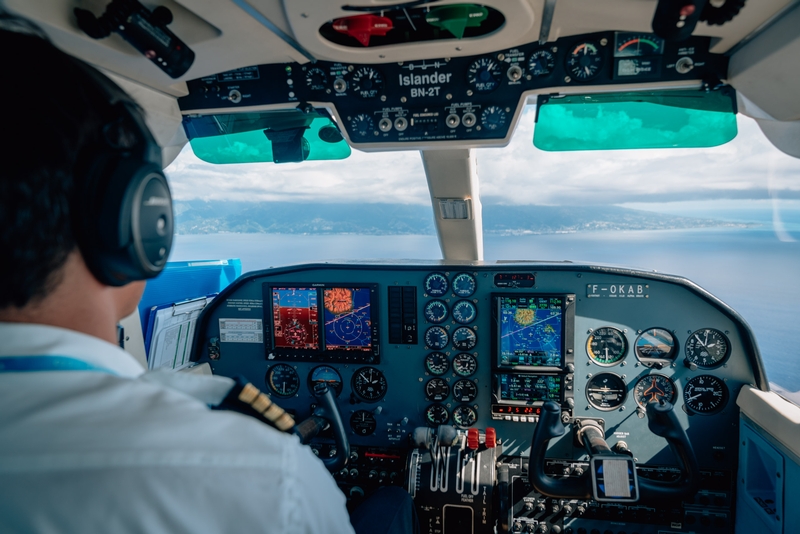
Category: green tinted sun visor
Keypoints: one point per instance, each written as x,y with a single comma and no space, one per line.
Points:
664,119
281,136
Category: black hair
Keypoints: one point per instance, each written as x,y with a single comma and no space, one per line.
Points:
54,111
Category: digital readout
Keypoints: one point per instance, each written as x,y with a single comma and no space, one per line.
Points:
506,409
530,331
528,388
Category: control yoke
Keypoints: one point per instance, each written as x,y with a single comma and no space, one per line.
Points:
324,415
661,421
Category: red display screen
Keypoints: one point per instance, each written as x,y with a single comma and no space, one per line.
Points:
295,318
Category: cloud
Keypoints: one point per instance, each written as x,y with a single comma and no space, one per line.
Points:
748,167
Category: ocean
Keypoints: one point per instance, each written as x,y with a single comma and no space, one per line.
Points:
754,270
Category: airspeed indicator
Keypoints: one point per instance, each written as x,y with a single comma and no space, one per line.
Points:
606,346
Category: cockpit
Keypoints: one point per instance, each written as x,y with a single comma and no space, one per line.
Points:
562,397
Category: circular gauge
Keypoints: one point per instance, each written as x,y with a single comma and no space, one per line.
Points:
464,285
584,61
363,423
484,74
362,125
436,363
436,337
654,388
282,380
465,364
464,416
437,389
464,338
541,63
705,395
493,117
436,311
464,312
605,391
656,347
607,346
367,82
465,390
369,384
436,284
436,414
708,348
316,79
327,375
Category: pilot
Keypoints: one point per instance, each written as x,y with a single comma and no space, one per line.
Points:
87,445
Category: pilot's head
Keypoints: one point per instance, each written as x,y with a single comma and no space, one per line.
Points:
83,201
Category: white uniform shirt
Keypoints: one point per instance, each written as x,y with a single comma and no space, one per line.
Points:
95,450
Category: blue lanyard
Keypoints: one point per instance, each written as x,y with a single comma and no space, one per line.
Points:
27,364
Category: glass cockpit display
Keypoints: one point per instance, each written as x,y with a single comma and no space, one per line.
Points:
328,323
531,331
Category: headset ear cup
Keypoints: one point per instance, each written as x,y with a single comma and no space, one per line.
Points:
133,225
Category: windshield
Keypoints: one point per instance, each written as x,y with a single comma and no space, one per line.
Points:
727,218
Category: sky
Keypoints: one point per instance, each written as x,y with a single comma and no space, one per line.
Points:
747,168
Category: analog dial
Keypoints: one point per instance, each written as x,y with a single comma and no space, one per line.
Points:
367,82
316,79
705,395
584,61
437,389
436,285
464,416
708,348
484,74
436,414
436,311
369,384
541,63
465,364
464,285
607,346
363,423
327,375
656,347
464,338
362,125
654,388
464,312
493,117
436,363
606,391
465,390
436,337
283,380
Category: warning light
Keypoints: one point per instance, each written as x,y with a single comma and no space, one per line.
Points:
363,27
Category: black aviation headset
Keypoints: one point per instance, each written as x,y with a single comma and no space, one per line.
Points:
122,207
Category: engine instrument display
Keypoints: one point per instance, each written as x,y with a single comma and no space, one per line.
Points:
465,390
527,388
530,331
436,363
436,311
465,364
341,329
464,338
437,389
436,414
465,416
436,285
436,337
464,312
464,285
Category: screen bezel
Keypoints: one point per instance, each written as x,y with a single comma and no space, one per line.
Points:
497,389
567,331
324,354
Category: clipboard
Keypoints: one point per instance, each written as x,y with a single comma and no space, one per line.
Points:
170,332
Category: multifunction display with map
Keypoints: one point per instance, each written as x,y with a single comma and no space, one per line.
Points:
532,330
321,323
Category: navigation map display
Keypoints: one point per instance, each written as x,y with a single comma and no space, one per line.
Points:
295,318
530,331
348,318
528,388
321,322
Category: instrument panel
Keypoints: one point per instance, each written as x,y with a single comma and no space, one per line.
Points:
481,345
454,99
